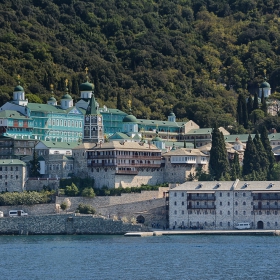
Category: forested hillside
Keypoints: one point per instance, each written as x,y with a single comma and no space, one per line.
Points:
196,56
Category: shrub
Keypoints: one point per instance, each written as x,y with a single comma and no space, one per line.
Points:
88,192
63,206
72,190
85,209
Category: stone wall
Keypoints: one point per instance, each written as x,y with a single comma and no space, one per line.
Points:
64,224
38,209
104,201
177,173
33,184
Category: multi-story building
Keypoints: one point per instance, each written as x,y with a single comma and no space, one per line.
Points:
221,205
119,164
13,175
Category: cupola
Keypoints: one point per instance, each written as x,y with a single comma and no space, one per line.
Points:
19,94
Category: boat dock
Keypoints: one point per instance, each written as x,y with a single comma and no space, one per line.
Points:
203,232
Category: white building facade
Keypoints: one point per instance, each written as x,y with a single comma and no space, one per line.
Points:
222,205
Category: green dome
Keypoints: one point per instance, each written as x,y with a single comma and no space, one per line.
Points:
18,88
66,96
86,86
265,85
52,99
171,114
130,118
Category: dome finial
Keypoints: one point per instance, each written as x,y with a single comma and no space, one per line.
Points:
66,84
129,106
18,76
86,69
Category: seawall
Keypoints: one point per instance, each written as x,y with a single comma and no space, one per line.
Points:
64,224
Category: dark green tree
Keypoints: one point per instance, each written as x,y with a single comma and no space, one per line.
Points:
250,105
249,157
263,102
119,102
242,114
218,164
268,149
262,159
256,102
235,170
34,165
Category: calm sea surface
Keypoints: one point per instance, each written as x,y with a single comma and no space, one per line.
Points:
119,257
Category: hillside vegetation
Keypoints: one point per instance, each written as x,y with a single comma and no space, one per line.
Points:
196,56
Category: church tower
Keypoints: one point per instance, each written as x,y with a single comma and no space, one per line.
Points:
93,123
19,95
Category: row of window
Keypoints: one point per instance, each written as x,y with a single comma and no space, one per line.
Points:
221,203
6,168
6,177
64,123
58,167
229,213
203,194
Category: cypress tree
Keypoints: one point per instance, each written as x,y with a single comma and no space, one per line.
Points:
235,171
256,102
239,109
34,165
250,105
249,157
75,86
267,148
263,106
119,101
218,164
262,159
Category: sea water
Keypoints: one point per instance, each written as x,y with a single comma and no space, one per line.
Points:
157,257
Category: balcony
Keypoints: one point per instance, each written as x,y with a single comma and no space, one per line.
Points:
266,197
201,197
193,207
127,172
266,207
101,164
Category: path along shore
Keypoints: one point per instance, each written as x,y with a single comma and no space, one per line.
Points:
204,232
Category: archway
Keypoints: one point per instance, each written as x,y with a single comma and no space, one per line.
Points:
260,225
140,219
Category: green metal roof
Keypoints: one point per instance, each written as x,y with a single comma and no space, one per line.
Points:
241,137
274,136
67,96
137,137
87,86
265,85
144,122
44,108
63,145
11,162
179,144
112,111
200,131
118,136
92,107
18,88
130,119
12,114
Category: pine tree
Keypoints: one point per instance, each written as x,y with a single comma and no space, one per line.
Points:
239,109
256,102
34,165
218,164
249,157
250,105
75,86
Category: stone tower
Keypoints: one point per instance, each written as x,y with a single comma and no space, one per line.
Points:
93,123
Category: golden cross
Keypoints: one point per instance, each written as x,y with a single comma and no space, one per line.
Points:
18,76
51,85
86,70
66,82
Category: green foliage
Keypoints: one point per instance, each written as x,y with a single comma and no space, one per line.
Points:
140,49
85,209
72,190
63,206
34,165
218,164
25,198
88,192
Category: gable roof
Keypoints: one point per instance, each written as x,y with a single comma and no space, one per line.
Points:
13,114
58,145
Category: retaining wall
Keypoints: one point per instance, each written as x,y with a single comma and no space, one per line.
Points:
64,224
